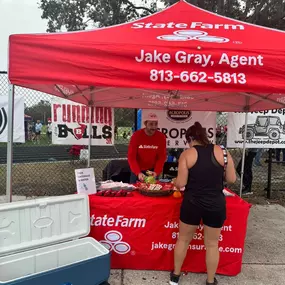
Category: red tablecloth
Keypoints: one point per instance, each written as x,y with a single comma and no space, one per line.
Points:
141,232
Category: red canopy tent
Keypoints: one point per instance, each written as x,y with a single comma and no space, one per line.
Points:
182,58
216,63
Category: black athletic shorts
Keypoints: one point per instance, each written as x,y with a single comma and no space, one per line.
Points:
191,214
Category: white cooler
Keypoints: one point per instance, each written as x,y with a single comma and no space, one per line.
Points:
40,245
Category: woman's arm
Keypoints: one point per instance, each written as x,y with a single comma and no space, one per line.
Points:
230,171
182,176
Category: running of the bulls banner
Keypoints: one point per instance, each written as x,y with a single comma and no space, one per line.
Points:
70,124
141,233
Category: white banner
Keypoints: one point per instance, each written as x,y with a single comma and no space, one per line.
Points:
265,129
19,119
174,124
70,124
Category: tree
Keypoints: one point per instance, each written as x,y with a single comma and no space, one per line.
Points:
40,111
124,117
77,15
269,13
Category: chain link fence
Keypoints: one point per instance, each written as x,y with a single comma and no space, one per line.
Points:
40,168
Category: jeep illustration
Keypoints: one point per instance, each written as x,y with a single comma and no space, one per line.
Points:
265,126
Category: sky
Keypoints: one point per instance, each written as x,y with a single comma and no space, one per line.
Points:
18,17
21,17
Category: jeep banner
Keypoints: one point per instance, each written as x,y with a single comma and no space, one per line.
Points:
70,123
19,125
265,129
174,124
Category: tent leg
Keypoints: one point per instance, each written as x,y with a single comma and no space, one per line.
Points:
243,154
11,97
90,137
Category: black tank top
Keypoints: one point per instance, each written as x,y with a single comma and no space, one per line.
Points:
206,181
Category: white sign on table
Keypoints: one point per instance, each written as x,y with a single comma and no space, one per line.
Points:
85,181
265,129
174,124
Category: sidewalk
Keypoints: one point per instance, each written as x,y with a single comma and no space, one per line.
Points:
264,258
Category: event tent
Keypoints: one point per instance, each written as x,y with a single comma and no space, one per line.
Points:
182,58
193,59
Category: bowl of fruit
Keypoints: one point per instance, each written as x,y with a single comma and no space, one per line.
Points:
154,188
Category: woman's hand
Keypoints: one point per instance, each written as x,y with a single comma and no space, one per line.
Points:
174,183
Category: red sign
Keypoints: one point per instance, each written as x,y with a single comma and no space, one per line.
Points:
141,233
76,113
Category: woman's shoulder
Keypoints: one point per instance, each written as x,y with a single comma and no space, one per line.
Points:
219,154
218,148
189,152
190,155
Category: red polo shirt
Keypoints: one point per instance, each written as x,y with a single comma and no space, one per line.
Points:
147,152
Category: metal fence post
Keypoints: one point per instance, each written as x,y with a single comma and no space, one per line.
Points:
90,136
268,189
11,95
243,154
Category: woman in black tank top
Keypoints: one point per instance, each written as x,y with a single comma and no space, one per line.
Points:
202,169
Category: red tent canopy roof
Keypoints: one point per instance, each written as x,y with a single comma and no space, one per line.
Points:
217,63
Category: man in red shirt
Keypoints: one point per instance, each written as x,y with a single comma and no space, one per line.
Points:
147,150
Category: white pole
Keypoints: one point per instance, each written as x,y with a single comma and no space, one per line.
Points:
11,97
90,137
243,153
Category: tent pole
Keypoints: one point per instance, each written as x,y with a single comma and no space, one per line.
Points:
90,137
243,153
11,94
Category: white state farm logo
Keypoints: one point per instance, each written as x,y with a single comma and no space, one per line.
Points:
148,146
113,241
190,35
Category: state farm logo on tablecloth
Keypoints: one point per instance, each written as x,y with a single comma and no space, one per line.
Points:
192,35
113,242
118,221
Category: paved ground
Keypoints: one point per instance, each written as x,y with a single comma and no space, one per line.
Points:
264,258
